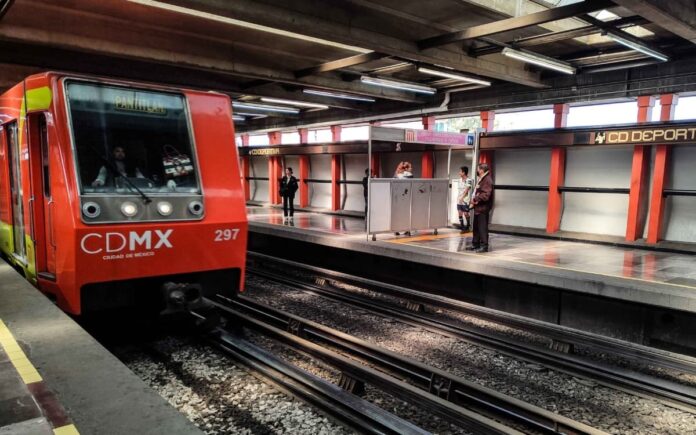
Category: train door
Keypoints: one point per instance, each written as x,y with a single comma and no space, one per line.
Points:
41,199
14,154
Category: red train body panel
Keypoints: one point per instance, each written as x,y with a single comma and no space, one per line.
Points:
98,231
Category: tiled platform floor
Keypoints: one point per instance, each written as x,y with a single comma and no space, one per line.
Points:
644,265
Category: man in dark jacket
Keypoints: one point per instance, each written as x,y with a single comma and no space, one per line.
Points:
288,187
482,203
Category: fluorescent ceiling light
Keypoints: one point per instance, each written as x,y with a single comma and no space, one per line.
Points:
452,75
395,84
338,95
265,107
238,118
245,24
638,47
294,103
539,60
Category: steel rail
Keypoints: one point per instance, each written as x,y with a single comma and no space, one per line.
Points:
438,382
451,412
612,346
670,393
355,412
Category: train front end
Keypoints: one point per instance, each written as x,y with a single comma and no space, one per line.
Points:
156,202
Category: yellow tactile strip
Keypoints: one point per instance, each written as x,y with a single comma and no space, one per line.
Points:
17,357
426,237
33,379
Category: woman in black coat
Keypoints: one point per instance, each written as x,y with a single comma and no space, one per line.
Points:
288,187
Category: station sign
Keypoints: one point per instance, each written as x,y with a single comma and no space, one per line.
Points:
668,133
660,135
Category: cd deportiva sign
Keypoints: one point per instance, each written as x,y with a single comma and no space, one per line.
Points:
648,135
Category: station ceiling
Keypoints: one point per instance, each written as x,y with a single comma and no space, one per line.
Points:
368,59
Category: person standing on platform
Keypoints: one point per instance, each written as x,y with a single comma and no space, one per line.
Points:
288,187
482,203
464,186
364,183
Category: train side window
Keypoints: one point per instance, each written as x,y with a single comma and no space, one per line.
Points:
43,137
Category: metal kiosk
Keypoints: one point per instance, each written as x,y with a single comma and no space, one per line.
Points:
409,204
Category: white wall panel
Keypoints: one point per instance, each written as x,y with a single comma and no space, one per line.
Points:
354,166
320,169
599,213
258,167
529,167
680,211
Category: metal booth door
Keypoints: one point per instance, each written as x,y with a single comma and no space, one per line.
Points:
13,149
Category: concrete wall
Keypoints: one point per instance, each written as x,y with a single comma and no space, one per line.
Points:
597,213
529,167
679,222
353,169
258,167
320,169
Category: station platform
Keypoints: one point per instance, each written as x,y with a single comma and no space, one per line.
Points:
56,379
635,294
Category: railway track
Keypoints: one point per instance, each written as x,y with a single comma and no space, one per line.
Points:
629,381
353,411
464,403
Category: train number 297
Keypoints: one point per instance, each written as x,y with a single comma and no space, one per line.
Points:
226,234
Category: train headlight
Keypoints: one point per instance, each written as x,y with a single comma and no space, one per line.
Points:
129,209
91,209
164,208
196,208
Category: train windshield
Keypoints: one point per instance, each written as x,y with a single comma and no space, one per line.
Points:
131,141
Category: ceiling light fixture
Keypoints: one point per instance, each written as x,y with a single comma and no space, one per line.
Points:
294,103
452,75
245,24
338,95
395,84
539,60
265,107
638,47
238,118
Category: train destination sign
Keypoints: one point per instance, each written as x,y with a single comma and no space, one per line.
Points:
647,136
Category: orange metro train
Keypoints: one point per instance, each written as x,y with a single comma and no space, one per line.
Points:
116,193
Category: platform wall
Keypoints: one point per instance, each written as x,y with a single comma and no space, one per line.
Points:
353,169
320,169
529,167
680,211
258,189
597,213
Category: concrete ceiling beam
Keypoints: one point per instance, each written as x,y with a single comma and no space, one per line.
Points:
321,26
676,16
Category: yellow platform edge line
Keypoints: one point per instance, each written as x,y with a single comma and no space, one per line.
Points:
427,237
68,429
17,357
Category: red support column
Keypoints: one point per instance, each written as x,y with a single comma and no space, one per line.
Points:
336,133
557,173
304,175
668,102
427,158
274,169
376,165
245,177
304,134
487,120
637,198
245,140
335,170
